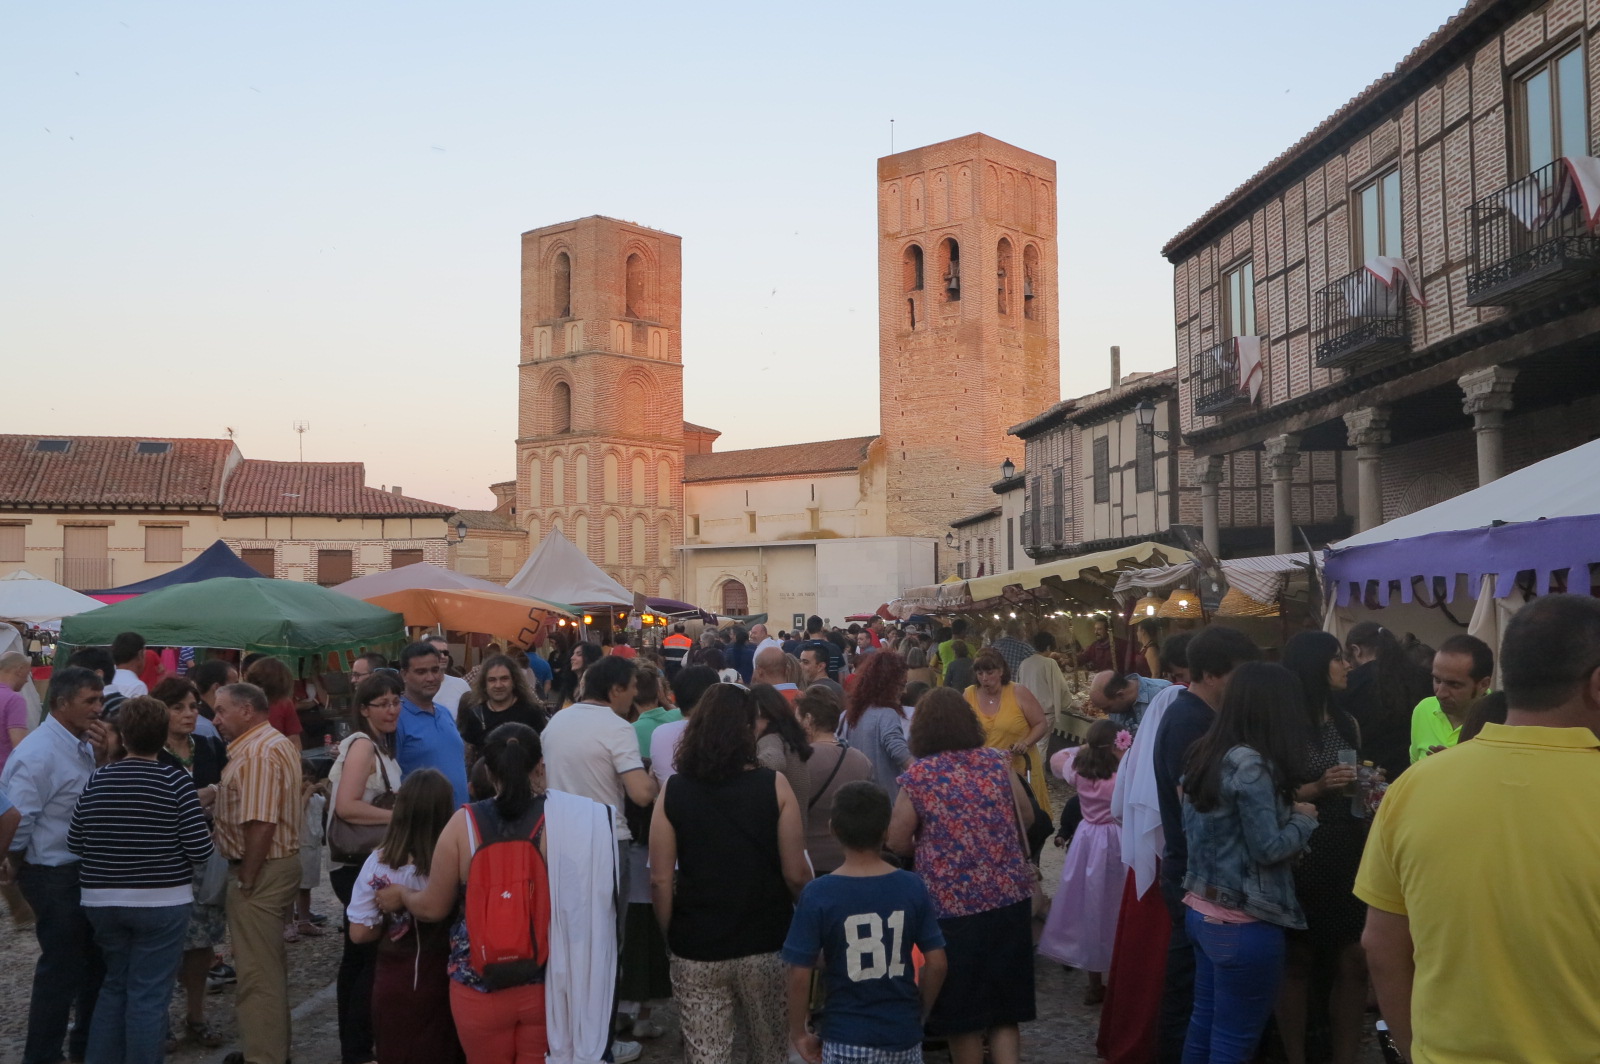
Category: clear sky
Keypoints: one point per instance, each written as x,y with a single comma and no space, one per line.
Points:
239,215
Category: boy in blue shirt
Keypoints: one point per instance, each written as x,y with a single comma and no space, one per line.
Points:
863,919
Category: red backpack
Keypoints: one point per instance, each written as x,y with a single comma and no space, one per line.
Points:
507,899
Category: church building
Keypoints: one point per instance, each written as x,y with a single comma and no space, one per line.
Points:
968,346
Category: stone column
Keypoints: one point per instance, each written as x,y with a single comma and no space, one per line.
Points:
1210,477
1368,431
1487,397
1283,455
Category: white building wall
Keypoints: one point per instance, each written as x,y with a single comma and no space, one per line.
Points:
818,507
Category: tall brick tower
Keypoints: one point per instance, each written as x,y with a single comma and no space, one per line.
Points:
600,410
967,320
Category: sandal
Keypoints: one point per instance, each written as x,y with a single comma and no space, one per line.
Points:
202,1034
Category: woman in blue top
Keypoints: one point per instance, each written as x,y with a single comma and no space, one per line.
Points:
1243,827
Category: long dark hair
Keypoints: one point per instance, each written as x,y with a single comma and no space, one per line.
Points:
719,742
511,752
520,690
1097,757
773,708
1402,683
422,807
1264,709
1309,655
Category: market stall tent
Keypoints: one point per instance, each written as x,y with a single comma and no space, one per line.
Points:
285,618
26,597
557,571
215,561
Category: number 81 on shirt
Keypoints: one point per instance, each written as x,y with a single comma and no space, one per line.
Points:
865,956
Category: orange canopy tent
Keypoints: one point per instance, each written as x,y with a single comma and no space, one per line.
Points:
517,619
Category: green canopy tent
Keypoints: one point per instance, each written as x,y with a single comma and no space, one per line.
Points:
284,618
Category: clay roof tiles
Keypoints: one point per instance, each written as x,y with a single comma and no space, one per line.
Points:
1437,43
789,460
484,520
111,471
324,489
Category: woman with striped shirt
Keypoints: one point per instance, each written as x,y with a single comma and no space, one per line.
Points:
139,831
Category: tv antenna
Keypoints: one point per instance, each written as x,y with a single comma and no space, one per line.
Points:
302,427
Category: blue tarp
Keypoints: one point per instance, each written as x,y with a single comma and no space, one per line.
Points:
216,560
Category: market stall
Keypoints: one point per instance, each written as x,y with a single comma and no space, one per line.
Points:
429,596
33,599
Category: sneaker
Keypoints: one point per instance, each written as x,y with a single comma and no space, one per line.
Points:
215,985
223,972
624,1052
319,918
648,1028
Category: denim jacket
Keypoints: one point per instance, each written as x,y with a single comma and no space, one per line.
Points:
1239,852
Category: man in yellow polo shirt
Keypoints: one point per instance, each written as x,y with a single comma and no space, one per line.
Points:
1463,667
1482,871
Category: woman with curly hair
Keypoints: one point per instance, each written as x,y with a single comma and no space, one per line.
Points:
874,723
732,832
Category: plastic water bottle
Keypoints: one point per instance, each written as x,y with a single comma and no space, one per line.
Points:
1366,772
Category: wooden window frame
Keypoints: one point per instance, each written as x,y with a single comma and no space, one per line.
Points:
272,555
155,528
19,537
1225,314
1100,458
1374,179
1144,462
350,554
1521,154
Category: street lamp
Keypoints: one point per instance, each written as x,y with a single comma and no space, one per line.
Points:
1146,413
949,539
461,531
1008,469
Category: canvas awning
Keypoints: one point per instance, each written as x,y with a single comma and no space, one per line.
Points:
1544,518
30,598
216,560
1086,571
557,571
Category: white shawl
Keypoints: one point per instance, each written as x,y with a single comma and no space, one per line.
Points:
1135,799
581,976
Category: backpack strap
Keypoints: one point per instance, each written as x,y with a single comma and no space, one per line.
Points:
818,793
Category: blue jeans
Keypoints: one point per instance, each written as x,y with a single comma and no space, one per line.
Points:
1237,971
142,948
69,971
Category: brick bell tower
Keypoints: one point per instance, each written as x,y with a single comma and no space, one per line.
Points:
600,396
967,320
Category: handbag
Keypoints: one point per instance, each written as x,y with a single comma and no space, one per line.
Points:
211,880
352,843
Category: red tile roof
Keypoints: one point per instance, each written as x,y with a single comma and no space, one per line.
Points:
790,460
690,426
323,489
1462,30
485,521
110,471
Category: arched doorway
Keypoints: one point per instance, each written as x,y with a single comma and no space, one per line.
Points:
735,598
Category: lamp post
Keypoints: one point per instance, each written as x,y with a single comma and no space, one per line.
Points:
1146,414
461,531
1007,469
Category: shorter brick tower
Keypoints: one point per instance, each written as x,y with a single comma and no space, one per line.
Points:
967,320
600,405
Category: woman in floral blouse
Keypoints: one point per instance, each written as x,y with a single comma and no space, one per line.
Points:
965,815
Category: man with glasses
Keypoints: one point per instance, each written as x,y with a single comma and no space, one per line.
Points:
365,666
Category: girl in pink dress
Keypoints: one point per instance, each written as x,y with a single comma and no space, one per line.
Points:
1082,924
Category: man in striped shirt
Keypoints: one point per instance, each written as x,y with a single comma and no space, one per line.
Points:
258,830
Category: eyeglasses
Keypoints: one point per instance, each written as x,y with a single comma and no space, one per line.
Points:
384,703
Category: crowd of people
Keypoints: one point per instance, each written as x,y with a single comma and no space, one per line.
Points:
824,846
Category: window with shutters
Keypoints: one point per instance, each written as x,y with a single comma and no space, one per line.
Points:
163,543
1144,462
334,567
405,556
1035,508
1102,469
1058,506
1011,544
13,542
262,559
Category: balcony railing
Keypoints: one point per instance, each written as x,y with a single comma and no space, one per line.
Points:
1218,385
1530,239
1359,318
84,574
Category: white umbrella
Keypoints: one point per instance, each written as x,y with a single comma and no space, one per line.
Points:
26,597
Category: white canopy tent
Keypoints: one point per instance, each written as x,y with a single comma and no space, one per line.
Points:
26,597
557,571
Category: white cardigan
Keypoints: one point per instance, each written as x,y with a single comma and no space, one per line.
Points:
582,971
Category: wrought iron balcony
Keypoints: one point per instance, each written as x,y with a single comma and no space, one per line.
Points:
1218,385
1530,239
1359,318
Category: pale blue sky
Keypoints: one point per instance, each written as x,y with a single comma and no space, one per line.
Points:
243,214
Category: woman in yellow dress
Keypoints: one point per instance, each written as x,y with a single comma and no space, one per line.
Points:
1012,719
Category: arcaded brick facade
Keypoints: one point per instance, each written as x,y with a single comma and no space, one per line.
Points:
1452,124
600,431
966,350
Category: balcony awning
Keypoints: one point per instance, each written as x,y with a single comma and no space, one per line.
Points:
1139,556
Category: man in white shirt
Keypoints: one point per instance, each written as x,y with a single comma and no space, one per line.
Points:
762,640
590,749
452,687
1040,674
127,654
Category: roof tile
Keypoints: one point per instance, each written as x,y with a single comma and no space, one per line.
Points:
794,459
109,471
330,489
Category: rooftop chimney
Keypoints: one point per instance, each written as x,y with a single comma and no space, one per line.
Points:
1116,367
396,490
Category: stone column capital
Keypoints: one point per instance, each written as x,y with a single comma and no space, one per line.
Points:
1210,472
1487,390
1283,454
1368,427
